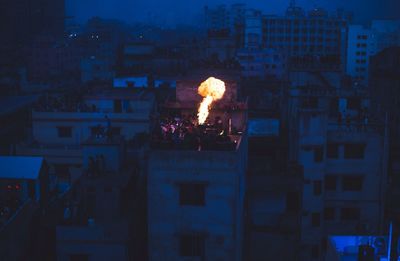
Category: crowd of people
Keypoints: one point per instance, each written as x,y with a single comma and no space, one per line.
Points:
185,133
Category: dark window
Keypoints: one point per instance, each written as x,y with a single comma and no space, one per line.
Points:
318,154
292,201
354,103
64,132
315,219
117,106
115,131
352,183
315,252
79,257
192,245
317,187
90,204
192,194
354,151
108,189
330,182
350,214
62,171
333,151
329,213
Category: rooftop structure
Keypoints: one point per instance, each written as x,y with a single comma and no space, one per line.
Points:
193,170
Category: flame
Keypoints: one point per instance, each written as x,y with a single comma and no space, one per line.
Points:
211,89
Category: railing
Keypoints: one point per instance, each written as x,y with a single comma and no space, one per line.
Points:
355,127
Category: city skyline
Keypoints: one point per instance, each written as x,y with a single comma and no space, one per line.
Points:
181,12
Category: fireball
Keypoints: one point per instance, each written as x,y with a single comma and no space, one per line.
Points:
211,90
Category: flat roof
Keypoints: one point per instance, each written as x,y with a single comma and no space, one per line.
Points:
20,167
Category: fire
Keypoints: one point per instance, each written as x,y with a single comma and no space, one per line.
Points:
212,90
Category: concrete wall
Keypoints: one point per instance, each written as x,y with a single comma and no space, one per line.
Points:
221,216
45,125
91,241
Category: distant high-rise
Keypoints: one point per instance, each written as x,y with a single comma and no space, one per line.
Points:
364,42
300,34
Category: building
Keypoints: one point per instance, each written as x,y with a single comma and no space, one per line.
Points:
53,61
273,194
196,187
96,69
95,218
384,86
225,26
14,121
62,123
364,42
336,137
315,34
358,247
262,64
23,191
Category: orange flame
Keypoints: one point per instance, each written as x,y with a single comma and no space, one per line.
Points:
211,89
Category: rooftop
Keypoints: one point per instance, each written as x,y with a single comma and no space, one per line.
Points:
80,102
17,167
183,133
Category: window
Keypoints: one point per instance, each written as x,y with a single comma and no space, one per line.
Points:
350,214
293,201
115,131
64,132
315,251
354,151
317,187
352,183
329,213
192,194
62,171
330,182
192,245
117,106
333,151
315,219
318,154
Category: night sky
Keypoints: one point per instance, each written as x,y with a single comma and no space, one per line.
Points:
172,12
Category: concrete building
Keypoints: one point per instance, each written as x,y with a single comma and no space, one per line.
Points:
23,191
94,218
385,86
273,195
358,247
262,64
62,123
315,34
336,138
14,121
95,69
196,190
364,42
225,26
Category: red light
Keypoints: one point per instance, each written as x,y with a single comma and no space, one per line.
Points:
17,187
